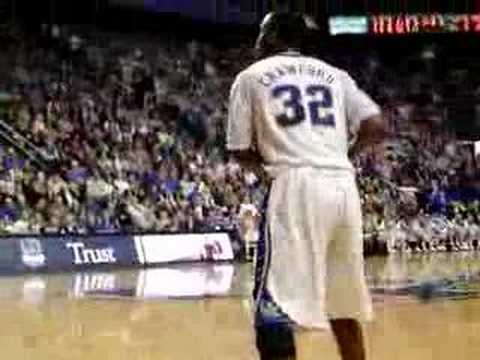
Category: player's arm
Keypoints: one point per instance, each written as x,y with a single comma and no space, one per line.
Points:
240,129
372,131
365,119
248,159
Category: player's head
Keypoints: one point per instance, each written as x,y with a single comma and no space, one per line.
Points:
281,31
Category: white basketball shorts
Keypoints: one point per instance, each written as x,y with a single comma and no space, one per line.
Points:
310,265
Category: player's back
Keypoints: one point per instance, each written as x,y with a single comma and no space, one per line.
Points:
302,111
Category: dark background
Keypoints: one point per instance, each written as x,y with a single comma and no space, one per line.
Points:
223,11
237,20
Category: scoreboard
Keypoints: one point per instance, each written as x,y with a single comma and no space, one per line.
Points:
405,24
424,23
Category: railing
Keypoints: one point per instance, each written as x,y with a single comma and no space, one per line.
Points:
38,156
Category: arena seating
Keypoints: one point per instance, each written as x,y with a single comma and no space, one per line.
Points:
122,134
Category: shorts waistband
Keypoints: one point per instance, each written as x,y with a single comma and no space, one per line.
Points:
317,171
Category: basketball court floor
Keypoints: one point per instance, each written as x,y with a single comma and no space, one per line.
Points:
427,307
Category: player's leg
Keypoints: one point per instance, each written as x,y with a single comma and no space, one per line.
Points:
459,239
403,236
275,342
433,242
470,240
426,240
274,334
349,336
294,281
475,237
319,206
348,298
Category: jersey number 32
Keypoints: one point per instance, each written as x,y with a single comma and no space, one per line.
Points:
296,105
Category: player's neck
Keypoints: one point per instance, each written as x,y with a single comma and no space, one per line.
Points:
289,52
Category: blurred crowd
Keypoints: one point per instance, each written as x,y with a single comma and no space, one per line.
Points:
420,189
111,133
132,133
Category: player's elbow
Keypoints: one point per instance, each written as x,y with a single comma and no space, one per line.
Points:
373,130
247,158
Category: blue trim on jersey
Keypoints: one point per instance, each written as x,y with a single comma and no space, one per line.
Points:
262,257
267,312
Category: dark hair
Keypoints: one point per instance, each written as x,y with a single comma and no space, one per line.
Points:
291,27
288,28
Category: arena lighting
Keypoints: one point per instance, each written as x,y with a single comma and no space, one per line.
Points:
339,25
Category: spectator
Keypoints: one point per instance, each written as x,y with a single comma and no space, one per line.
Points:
137,142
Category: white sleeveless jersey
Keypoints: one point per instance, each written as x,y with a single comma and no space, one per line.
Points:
296,111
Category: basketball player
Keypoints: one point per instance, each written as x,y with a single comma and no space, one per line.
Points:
291,115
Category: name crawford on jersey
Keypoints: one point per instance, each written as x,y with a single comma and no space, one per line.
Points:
273,75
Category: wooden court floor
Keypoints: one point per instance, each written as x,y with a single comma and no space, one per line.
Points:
426,308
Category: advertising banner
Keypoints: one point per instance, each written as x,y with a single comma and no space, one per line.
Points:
70,253
159,249
78,252
32,254
21,254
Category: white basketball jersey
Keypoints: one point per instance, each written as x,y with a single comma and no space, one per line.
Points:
297,111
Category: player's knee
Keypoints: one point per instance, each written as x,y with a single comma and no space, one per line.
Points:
275,342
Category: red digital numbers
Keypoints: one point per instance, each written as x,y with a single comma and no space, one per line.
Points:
383,24
427,21
475,21
399,25
389,24
376,24
412,24
464,23
424,23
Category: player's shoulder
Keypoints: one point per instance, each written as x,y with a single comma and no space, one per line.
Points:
244,76
250,75
257,67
